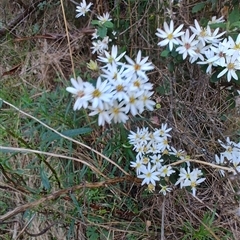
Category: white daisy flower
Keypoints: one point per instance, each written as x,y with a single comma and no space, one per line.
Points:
83,8
202,34
231,66
106,17
165,189
101,94
193,182
169,35
138,165
187,45
138,66
113,57
149,175
103,114
134,105
166,171
82,91
216,20
117,112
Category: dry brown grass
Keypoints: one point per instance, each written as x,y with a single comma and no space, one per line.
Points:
192,107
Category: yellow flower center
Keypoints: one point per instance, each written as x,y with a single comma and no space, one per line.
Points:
151,187
193,184
148,175
110,59
230,66
179,154
116,111
137,83
237,46
170,36
96,93
165,142
145,160
164,188
132,100
145,98
203,33
119,88
165,152
165,170
138,165
229,149
137,67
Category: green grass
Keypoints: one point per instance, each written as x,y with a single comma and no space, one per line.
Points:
206,229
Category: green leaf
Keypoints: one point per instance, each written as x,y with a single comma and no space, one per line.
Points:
231,101
163,89
214,4
170,67
3,207
179,59
204,22
36,28
44,178
108,24
233,35
76,203
68,133
165,53
235,24
95,22
238,74
218,25
174,53
102,32
198,7
234,16
223,118
214,77
92,233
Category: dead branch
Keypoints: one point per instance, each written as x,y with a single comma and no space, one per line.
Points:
57,194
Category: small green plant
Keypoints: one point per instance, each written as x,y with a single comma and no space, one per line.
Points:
206,231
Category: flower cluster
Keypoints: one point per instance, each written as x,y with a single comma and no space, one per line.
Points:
230,157
121,88
204,46
153,155
100,39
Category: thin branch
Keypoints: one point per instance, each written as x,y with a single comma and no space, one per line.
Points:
57,194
